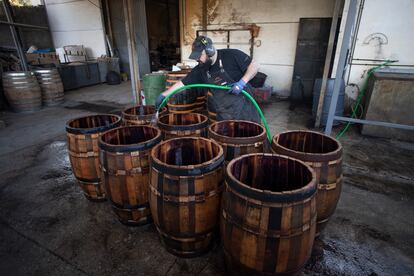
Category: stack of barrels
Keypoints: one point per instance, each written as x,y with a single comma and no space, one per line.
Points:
196,180
189,101
27,91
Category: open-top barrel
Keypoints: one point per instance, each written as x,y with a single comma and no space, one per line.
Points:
186,101
324,154
268,217
140,114
82,138
182,125
186,183
125,162
238,137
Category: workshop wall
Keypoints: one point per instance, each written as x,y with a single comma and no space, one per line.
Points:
77,23
275,45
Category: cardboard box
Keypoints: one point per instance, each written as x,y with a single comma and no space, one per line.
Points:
42,58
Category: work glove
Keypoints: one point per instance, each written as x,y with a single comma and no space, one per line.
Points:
237,87
159,100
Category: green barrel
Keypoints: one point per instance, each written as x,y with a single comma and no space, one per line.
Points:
154,85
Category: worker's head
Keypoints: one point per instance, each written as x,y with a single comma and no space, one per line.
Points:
202,50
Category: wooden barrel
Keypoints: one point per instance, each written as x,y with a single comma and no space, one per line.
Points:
324,154
140,114
174,77
268,217
185,190
82,134
125,160
181,125
51,86
238,137
184,101
22,91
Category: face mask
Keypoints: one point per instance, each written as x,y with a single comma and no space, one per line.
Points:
206,64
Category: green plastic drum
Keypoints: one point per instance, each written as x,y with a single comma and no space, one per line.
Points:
154,85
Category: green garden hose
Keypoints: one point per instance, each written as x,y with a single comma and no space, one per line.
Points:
269,135
361,94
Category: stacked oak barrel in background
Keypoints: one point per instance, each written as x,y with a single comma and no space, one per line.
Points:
27,91
198,180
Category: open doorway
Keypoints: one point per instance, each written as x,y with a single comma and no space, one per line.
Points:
310,56
163,33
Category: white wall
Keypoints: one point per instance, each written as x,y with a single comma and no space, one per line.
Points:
279,25
77,23
385,32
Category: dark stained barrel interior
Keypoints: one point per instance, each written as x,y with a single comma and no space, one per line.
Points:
186,152
141,110
237,129
265,172
129,135
182,119
93,121
307,142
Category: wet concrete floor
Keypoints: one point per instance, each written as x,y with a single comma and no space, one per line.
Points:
48,227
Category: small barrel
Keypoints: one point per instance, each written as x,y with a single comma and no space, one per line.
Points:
22,91
324,154
187,176
125,163
238,137
140,114
51,86
181,125
82,136
184,101
268,216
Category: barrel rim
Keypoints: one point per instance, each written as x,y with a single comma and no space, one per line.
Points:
237,140
75,130
307,156
129,147
188,170
168,127
295,195
125,114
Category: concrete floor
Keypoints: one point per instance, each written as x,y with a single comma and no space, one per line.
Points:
48,227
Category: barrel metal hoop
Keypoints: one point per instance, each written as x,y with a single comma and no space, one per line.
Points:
187,171
83,154
268,196
133,148
190,237
139,207
130,172
271,233
266,203
330,186
201,197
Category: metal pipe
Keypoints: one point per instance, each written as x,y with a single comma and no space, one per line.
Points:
374,123
23,25
389,65
132,52
350,20
15,35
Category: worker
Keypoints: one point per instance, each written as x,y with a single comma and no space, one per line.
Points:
225,67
